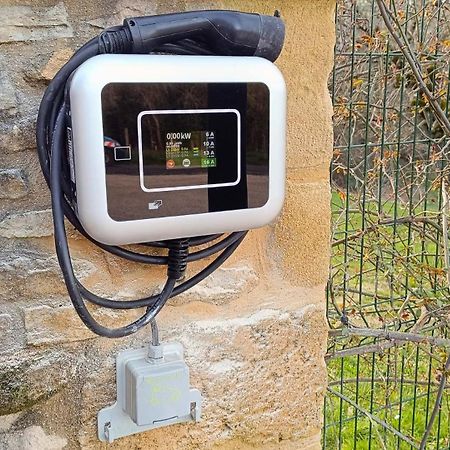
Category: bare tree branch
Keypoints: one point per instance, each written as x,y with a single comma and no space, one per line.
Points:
437,405
393,336
414,65
373,418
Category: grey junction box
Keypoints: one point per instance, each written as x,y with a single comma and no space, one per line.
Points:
152,391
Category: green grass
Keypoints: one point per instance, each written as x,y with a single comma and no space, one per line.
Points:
394,263
401,399
405,378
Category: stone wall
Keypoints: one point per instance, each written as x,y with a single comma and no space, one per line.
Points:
254,332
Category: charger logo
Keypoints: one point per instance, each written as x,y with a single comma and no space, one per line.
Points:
155,205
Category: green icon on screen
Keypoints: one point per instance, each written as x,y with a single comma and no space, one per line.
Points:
208,162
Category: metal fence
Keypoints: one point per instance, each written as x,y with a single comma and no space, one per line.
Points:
388,291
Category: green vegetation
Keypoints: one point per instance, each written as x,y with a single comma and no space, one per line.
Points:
390,176
381,269
397,387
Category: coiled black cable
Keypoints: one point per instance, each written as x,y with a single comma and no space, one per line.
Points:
51,140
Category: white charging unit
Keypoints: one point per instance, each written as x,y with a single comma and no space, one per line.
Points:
164,146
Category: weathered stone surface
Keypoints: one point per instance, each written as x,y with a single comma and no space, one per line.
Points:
32,438
56,61
34,275
124,9
7,421
307,83
50,325
300,261
27,23
256,373
8,98
17,137
28,224
58,324
27,378
13,183
10,336
221,286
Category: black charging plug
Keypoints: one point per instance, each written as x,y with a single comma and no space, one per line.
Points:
224,32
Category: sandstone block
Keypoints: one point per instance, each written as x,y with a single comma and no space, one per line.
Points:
122,10
7,421
32,438
222,286
13,184
10,334
20,136
50,325
31,274
56,61
45,324
27,378
8,97
27,224
27,23
306,215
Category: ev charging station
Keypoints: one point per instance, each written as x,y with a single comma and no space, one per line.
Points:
167,132
201,145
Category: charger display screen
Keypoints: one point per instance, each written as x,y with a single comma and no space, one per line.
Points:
149,129
190,149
